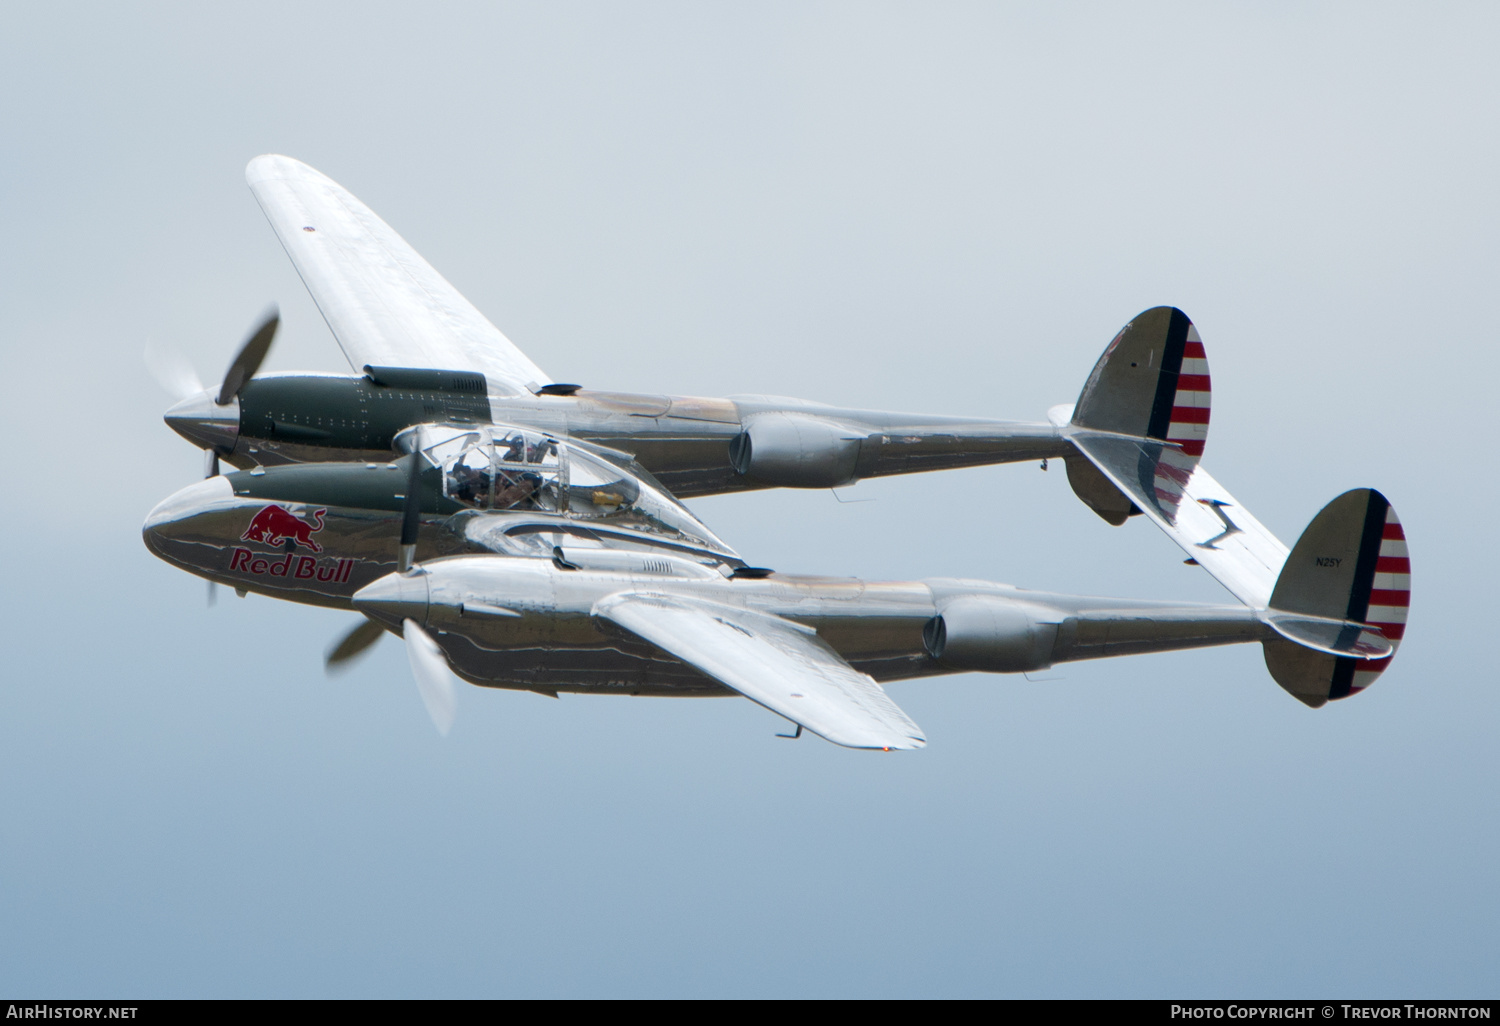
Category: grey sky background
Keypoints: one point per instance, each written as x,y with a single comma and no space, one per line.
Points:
926,207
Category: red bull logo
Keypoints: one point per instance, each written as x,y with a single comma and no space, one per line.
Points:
273,525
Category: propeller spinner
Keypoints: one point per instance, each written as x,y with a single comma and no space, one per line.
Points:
208,419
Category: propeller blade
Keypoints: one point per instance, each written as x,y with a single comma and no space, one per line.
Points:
410,510
434,677
248,360
213,594
210,464
352,645
172,371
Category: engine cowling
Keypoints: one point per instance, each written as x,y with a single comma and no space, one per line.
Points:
992,635
794,450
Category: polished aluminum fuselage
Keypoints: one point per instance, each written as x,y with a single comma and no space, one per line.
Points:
511,611
548,639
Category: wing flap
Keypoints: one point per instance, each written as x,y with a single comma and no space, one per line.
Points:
385,305
781,665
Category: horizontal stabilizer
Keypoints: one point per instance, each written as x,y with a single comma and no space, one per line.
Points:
1193,509
1139,427
1336,637
1350,567
782,665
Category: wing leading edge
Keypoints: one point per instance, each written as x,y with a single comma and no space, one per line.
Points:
779,664
385,305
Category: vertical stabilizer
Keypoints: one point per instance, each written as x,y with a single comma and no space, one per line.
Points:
1151,383
1350,564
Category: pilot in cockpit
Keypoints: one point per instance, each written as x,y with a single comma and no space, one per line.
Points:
521,451
515,492
469,484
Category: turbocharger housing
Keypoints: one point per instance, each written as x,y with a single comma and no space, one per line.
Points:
990,634
795,450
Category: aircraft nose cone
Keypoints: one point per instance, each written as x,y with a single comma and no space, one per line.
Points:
205,423
395,597
177,517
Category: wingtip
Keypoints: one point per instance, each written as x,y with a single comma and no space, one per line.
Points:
910,743
272,166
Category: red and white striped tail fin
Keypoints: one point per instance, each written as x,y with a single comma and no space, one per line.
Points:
1190,401
1350,565
1151,384
1390,596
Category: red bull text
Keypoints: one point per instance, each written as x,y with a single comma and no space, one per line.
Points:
305,568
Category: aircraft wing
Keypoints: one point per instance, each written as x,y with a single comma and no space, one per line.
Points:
387,307
782,665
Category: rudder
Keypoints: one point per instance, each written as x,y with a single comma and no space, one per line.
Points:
1151,382
1350,564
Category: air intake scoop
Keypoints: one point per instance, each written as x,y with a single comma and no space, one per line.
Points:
425,380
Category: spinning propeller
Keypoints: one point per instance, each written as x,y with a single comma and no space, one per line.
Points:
352,645
248,360
207,419
435,678
211,421
405,590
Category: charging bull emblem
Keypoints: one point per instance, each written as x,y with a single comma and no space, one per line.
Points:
273,524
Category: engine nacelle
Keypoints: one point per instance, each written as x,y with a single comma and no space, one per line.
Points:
794,450
992,635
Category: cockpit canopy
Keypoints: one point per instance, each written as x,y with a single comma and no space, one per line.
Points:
505,468
499,469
